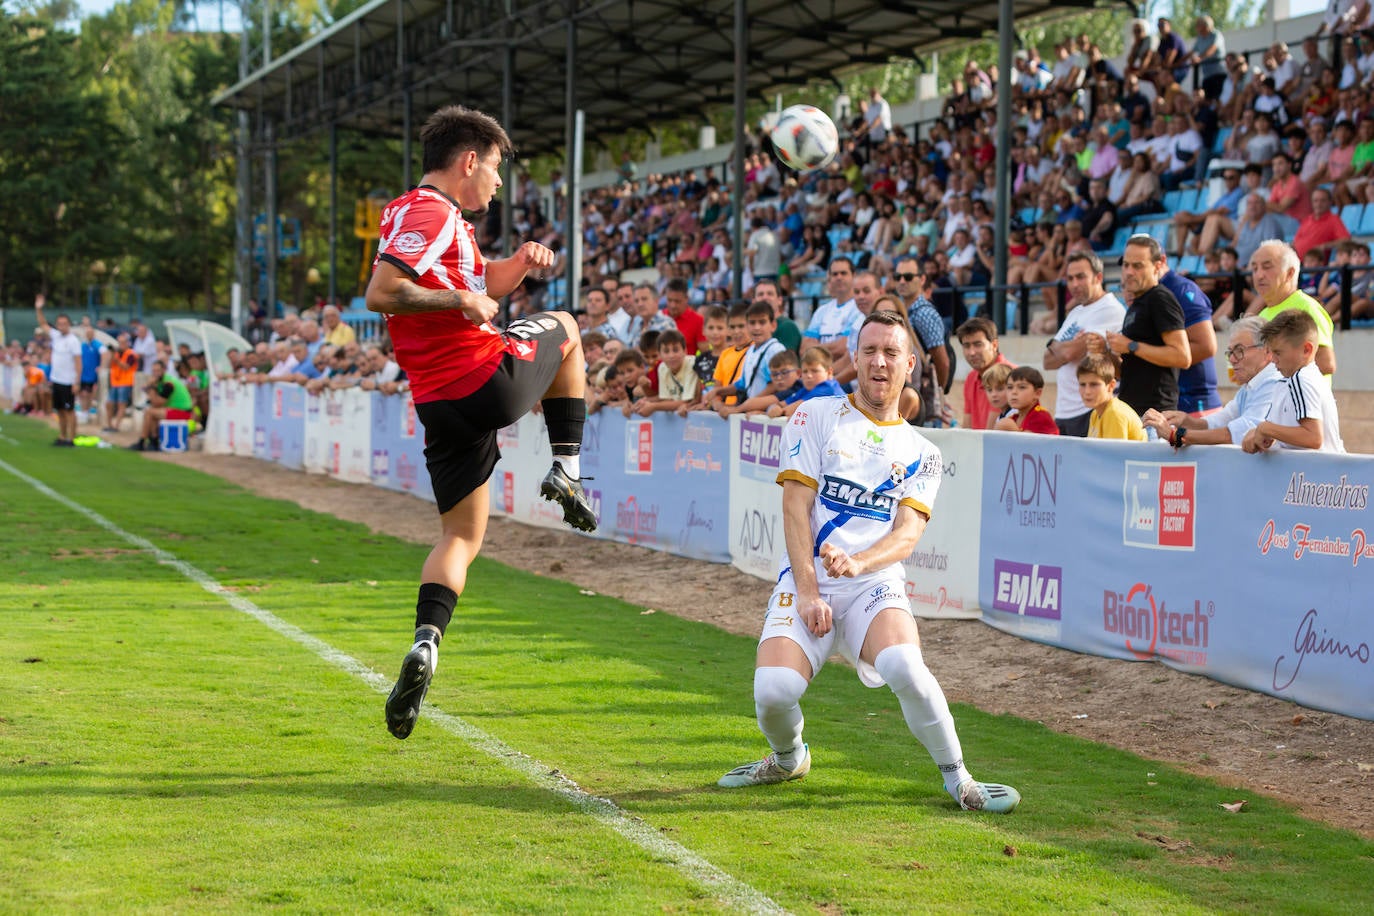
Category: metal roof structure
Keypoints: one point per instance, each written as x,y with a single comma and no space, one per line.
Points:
637,61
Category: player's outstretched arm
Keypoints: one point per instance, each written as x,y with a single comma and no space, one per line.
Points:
392,292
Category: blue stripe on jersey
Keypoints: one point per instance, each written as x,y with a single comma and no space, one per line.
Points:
839,519
783,573
890,483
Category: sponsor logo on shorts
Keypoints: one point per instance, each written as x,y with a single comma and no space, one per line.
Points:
885,596
1159,505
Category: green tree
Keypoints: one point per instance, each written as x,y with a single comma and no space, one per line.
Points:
58,163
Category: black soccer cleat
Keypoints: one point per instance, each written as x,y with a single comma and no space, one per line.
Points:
567,492
403,706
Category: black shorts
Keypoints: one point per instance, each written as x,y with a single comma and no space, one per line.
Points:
460,435
88,387
62,397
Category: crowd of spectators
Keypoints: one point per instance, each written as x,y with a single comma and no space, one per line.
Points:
905,221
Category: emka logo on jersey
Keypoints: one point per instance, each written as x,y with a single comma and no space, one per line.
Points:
1151,625
1030,489
1027,589
850,498
1159,505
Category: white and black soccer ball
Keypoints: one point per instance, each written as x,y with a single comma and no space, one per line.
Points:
805,138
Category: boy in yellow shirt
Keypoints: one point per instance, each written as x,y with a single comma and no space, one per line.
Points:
1110,418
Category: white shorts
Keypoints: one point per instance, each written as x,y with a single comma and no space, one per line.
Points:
854,603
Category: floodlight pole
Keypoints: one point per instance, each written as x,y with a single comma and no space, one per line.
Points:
1006,34
737,154
333,213
572,221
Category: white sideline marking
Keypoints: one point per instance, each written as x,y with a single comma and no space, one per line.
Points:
729,889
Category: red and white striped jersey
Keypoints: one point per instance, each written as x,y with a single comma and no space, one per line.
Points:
444,354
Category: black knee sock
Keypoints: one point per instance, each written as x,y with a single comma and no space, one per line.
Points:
565,418
433,610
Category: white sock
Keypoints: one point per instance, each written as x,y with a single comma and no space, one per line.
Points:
572,465
777,703
925,709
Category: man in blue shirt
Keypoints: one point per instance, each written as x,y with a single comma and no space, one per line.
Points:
1197,385
91,349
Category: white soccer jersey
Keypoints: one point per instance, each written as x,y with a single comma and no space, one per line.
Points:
861,470
1303,395
832,321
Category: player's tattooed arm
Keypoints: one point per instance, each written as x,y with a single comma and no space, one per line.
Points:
392,292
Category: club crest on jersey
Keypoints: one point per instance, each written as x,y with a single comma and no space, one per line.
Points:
410,242
897,474
850,498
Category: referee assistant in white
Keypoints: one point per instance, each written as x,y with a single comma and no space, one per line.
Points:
858,483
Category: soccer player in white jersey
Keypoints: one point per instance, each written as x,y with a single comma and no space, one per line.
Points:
858,483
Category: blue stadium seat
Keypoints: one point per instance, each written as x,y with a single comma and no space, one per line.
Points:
836,235
1352,215
975,301
1118,243
1220,141
1029,215
1173,201
1189,264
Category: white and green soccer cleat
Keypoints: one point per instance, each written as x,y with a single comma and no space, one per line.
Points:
766,772
987,796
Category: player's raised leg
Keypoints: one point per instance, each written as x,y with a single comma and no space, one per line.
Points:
565,414
892,646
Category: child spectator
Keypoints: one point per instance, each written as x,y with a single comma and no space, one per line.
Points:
648,348
783,367
715,324
627,374
1109,417
592,343
1303,412
1024,386
816,382
754,377
732,357
677,380
994,379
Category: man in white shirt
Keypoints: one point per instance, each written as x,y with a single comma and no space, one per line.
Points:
877,118
65,372
1094,311
144,344
1253,369
832,320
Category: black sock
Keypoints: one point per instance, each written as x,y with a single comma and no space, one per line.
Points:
433,610
565,418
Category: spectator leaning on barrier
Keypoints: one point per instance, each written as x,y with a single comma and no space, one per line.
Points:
1152,344
1303,411
1197,382
1253,369
1092,312
1274,273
